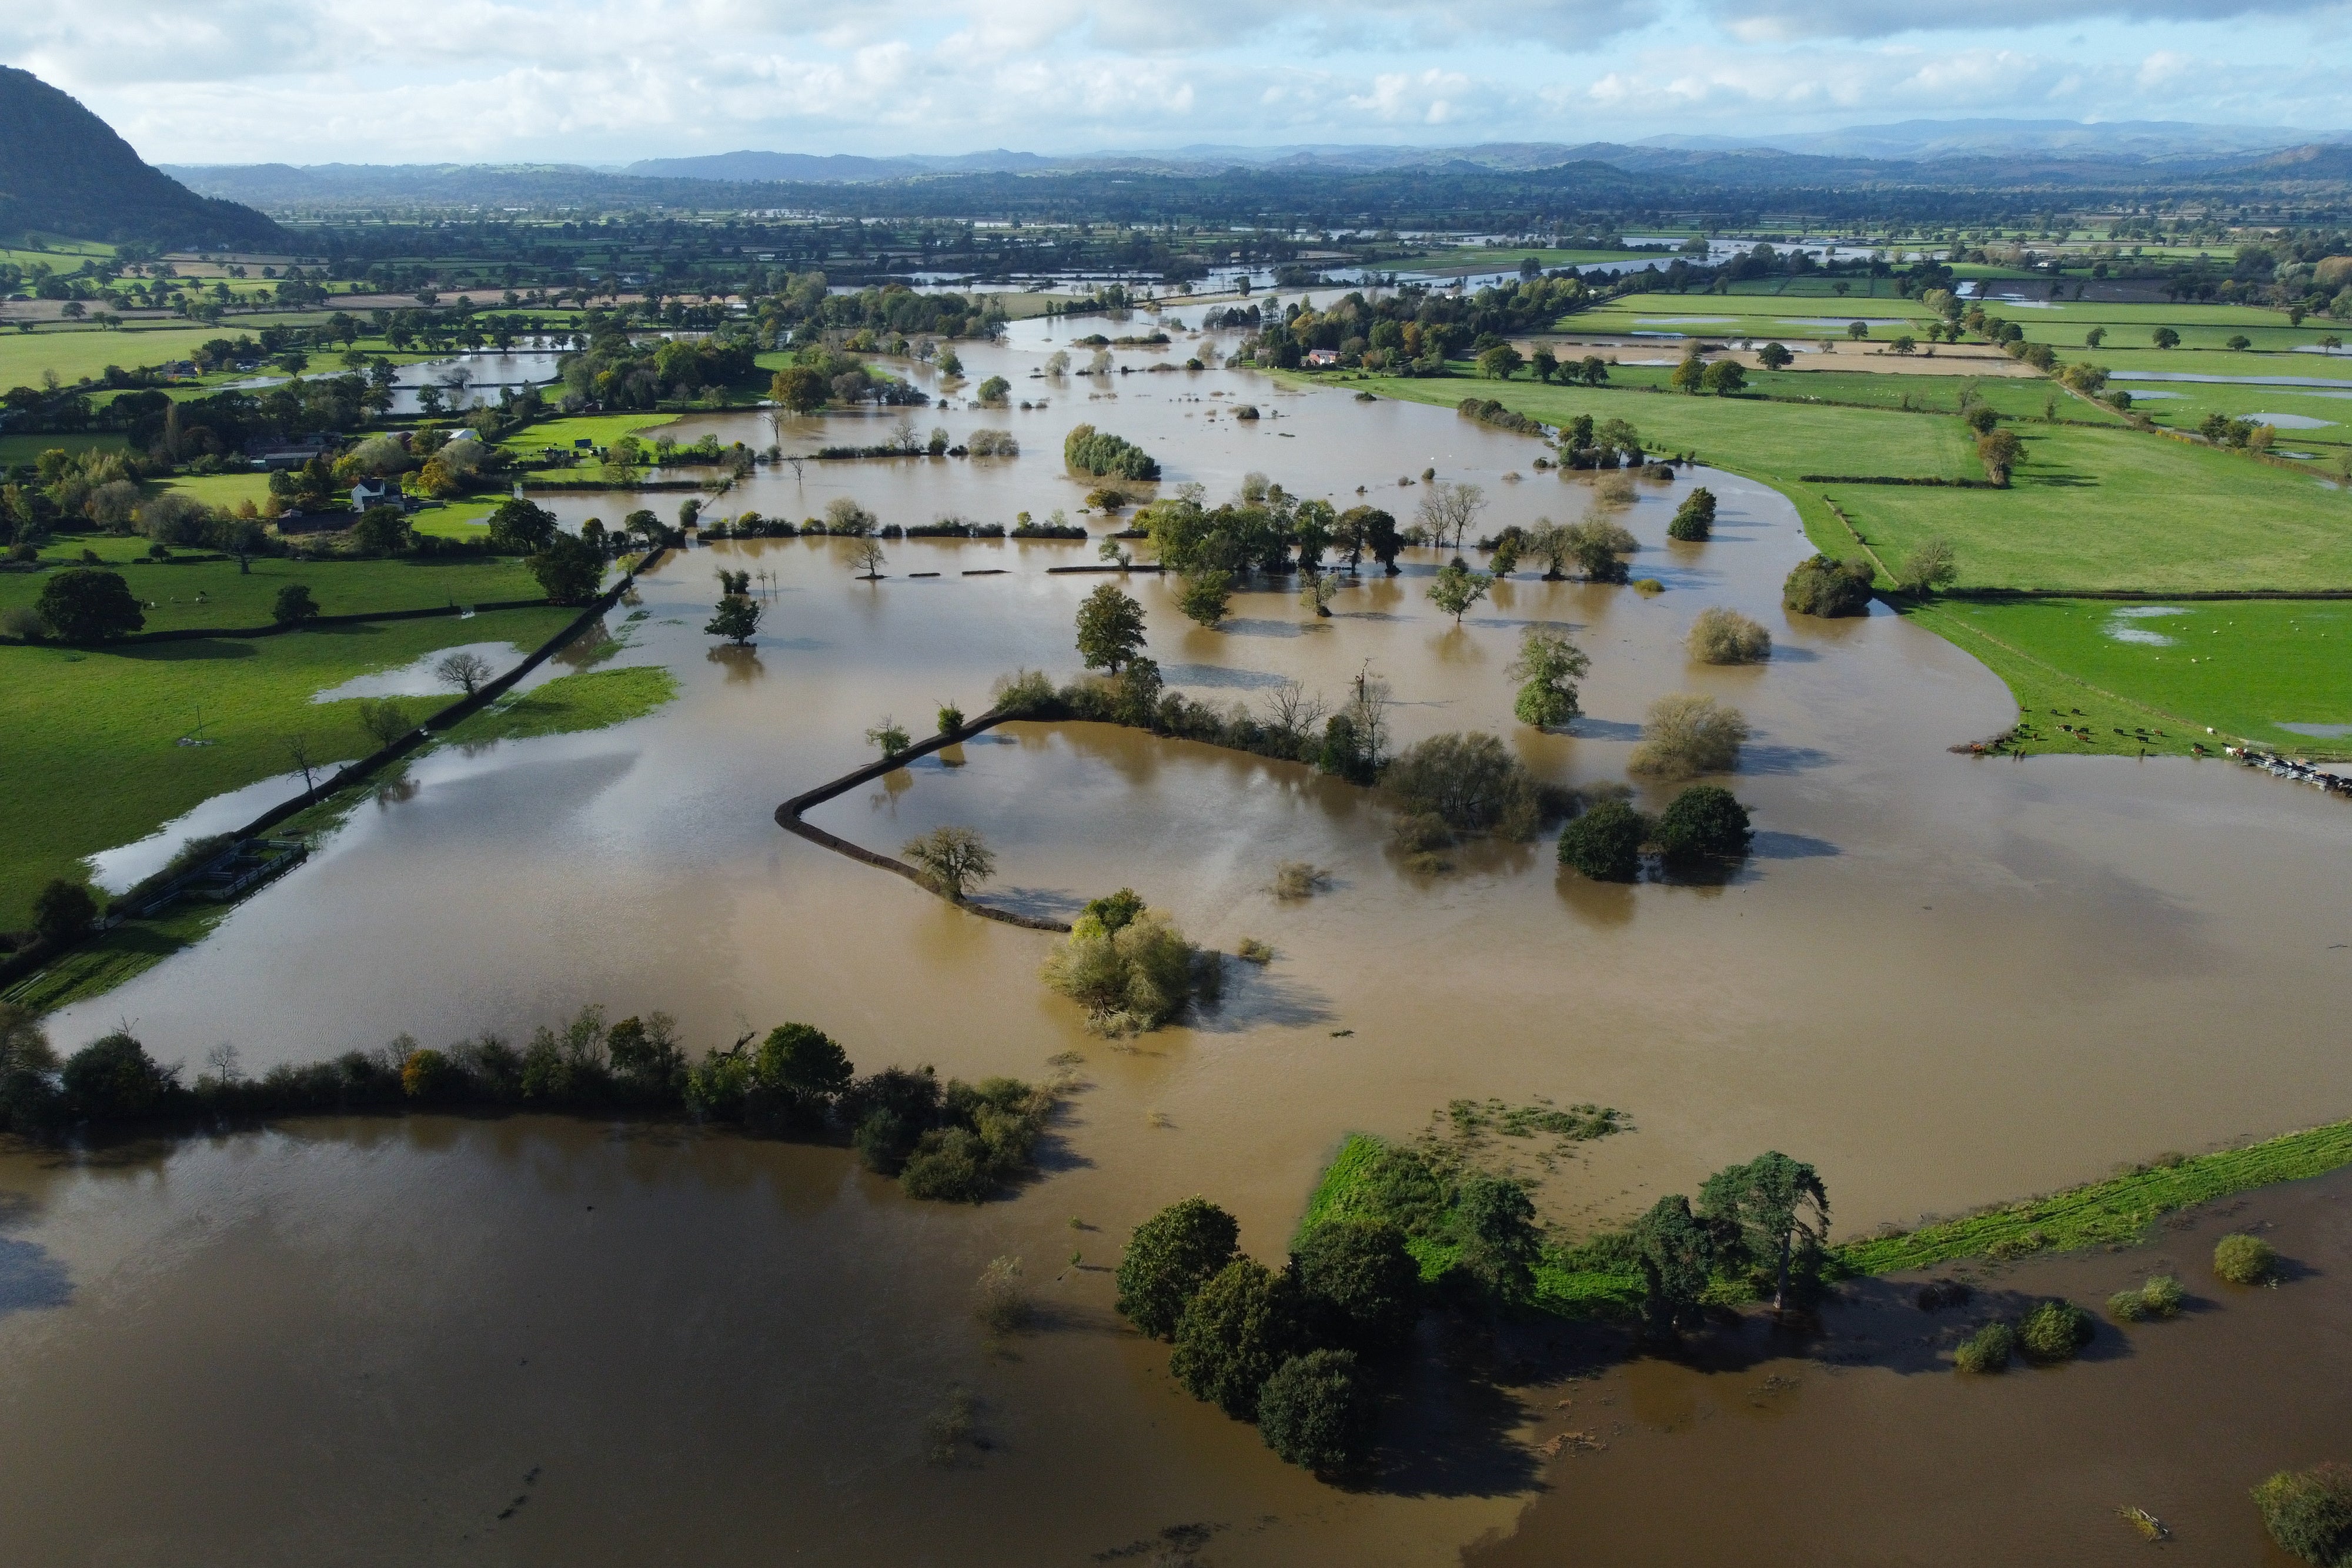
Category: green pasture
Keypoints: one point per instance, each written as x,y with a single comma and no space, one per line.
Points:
1477,259
2015,397
2191,401
592,699
92,759
604,428
2119,355
2243,667
79,352
234,598
16,449
2118,510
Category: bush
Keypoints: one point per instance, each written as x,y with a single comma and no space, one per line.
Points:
1000,1301
294,606
1471,782
2053,1332
1721,636
1315,1412
1605,842
2309,1513
1704,821
1104,455
1170,1256
1362,1289
1694,518
1240,1327
2159,1297
1297,879
1987,1350
2244,1260
950,1164
1828,588
1131,978
1688,735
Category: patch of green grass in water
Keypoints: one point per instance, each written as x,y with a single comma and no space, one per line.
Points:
596,699
122,955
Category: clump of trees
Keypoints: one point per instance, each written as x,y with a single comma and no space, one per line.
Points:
2159,1296
1101,455
738,615
1824,587
957,1141
1472,783
1130,967
1721,636
1549,667
1694,520
83,604
1686,735
1704,823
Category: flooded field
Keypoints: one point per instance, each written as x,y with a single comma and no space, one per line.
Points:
1942,981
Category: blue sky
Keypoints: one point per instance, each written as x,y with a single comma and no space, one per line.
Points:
510,80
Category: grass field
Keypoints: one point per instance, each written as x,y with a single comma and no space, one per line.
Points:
80,351
234,598
2243,667
92,759
1481,260
2017,397
2117,509
16,449
604,428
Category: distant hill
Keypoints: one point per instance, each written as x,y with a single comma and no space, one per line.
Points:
834,168
65,172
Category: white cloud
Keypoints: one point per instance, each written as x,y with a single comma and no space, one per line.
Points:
612,80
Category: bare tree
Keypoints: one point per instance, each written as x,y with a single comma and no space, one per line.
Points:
386,719
1448,511
953,858
1294,710
299,749
868,557
465,670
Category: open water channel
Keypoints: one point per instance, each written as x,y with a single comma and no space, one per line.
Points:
1944,981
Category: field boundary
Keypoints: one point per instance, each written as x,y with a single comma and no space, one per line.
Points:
788,817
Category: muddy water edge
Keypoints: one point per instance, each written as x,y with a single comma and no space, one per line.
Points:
1943,981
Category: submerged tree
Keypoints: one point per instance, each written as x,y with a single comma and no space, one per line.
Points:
954,859
1548,668
1456,588
1772,1212
737,617
1205,596
1170,1258
1110,629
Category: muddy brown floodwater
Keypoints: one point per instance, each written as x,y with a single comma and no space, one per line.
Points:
1943,981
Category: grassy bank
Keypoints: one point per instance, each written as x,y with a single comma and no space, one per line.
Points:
2117,1212
92,758
2105,666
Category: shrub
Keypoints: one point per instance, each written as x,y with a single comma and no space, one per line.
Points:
1721,636
1704,821
1605,842
1987,1350
1000,1301
2244,1260
1238,1329
1297,879
1362,1289
1170,1256
2053,1332
1688,735
1315,1412
1828,588
1471,782
950,1164
2309,1512
1694,518
2159,1297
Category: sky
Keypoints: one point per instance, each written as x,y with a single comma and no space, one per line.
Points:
311,81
